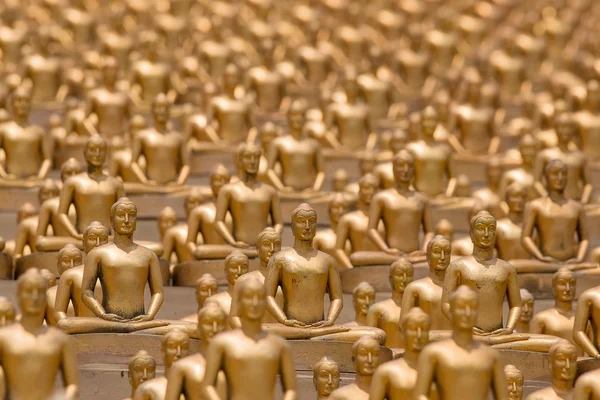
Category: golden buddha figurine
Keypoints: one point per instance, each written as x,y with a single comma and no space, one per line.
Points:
488,196
20,141
353,226
363,297
26,345
558,221
92,193
386,314
141,368
563,365
527,303
326,239
236,265
588,122
326,377
586,386
300,158
426,293
175,345
396,379
165,150
251,358
375,91
25,237
492,278
514,382
8,313
578,185
268,244
432,173
50,296
174,236
42,71
587,316
509,228
403,212
460,362
242,199
266,84
108,109
365,354
186,375
206,286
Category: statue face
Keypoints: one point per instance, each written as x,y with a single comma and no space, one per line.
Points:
565,131
404,171
428,125
438,256
143,370
528,152
69,259
250,161
351,88
527,306
483,234
416,334
217,181
367,165
95,153
269,244
236,267
494,172
336,210
304,225
327,379
362,300
110,74
556,177
366,193
212,322
296,119
514,382
400,278
125,219
32,295
165,222
564,363
253,303
464,312
160,111
176,347
95,237
516,200
366,358
21,105
564,287
205,289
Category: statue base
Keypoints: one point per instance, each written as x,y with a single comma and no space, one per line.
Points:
378,276
455,210
70,148
335,160
540,284
319,201
11,198
6,266
206,155
186,274
151,200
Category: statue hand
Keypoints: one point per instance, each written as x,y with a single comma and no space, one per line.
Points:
501,331
10,176
574,260
549,259
322,324
113,317
287,189
142,318
294,323
394,252
240,244
480,332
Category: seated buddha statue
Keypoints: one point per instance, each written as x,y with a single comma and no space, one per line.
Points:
206,286
524,172
363,297
325,239
236,265
26,225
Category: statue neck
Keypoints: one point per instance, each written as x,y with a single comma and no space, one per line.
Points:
562,387
94,171
303,246
563,306
437,276
515,217
160,126
123,240
494,185
230,289
463,337
363,382
249,179
32,322
397,297
251,328
263,267
402,187
333,224
21,120
411,357
522,327
483,254
556,195
364,207
360,319
296,133
564,146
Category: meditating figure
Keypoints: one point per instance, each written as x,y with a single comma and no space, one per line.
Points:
326,377
325,239
141,368
236,265
363,297
206,286
527,303
563,366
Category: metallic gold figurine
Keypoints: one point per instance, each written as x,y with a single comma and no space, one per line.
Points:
527,304
68,291
363,297
206,286
236,265
586,386
514,382
325,239
563,365
142,368
326,377
587,314
8,313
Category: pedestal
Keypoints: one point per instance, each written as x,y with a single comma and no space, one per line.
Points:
70,149
6,266
149,206
319,202
186,274
378,276
335,161
13,198
540,284
205,156
457,213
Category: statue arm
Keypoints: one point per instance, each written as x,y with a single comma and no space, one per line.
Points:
234,312
373,316
193,222
168,243
529,218
136,152
379,385
536,325
538,172
427,225
184,154
120,190
582,314
340,244
69,370
66,198
587,188
43,221
375,212
88,284
276,213
582,389
409,299
451,180
288,375
3,173
451,282
271,285
174,383
221,211
425,374
583,237
272,159
156,288
514,301
20,240
320,167
47,147
499,387
335,295
63,295
214,359
90,115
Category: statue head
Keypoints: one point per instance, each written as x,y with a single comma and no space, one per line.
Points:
123,216
326,376
175,345
398,140
367,187
463,308
404,167
69,168
95,151
415,329
363,297
268,243
25,211
21,101
401,274
565,127
527,302
8,313
267,133
564,285
218,178
304,222
193,199
483,230
514,381
50,277
593,95
473,83
236,265
248,158
463,186
297,115
338,205
231,77
493,171
528,148
110,70
48,190
211,320
68,257
142,368
252,299
94,235
516,197
365,355
350,83
556,175
340,180
136,124
166,219
429,122
31,292
444,228
161,108
438,253
206,286
367,162
563,362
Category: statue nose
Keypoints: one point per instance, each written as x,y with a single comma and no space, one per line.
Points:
330,379
214,326
468,311
369,357
419,332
